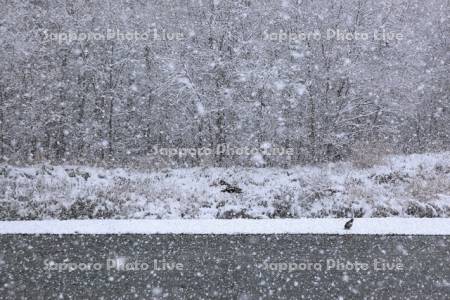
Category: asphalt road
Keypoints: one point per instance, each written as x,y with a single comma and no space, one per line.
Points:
224,267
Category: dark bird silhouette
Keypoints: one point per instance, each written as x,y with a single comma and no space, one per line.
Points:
349,224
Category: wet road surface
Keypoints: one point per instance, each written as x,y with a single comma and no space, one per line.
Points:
224,267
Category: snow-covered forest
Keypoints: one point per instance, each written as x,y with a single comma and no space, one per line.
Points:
211,73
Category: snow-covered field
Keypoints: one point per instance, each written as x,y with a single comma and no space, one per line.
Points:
406,186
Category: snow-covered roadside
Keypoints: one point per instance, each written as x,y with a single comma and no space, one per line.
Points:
399,186
397,226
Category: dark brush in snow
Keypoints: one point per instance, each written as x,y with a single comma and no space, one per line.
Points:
230,188
223,182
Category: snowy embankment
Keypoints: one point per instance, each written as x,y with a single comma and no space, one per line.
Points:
404,186
398,226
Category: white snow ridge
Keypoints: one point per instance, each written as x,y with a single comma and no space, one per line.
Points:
396,226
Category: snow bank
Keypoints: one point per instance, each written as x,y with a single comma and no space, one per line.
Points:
397,226
400,186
